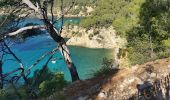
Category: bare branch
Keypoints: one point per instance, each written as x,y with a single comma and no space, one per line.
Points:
6,74
56,36
13,54
43,69
42,57
52,15
62,16
73,3
26,28
31,5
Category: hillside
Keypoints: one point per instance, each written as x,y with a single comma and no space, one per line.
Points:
125,44
144,24
119,84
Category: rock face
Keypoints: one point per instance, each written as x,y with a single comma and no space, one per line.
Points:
122,84
94,38
98,38
75,11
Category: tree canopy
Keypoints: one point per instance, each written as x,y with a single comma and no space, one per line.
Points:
145,24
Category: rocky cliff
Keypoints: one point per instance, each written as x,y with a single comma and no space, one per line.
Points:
94,37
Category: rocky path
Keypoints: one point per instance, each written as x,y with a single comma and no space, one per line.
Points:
119,84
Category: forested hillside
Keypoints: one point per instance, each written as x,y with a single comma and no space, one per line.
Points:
84,49
145,24
80,6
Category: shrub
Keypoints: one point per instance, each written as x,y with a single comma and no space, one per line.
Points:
107,66
57,83
48,82
3,95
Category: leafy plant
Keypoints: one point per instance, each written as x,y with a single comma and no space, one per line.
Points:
3,95
55,84
107,66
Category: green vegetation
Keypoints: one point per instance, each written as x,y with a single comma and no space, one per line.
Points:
48,82
44,82
145,24
107,66
150,39
79,5
122,14
76,2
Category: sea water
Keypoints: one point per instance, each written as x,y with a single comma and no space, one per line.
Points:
86,60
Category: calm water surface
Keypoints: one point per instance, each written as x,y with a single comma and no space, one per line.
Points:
86,60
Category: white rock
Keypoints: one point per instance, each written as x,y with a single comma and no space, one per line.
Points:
169,66
102,95
106,38
153,74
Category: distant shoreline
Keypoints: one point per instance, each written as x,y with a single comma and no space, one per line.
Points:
66,16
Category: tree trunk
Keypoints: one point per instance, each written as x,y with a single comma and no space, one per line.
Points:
54,34
151,47
1,77
65,52
167,82
19,61
29,88
63,49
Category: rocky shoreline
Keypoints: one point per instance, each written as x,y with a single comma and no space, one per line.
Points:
93,38
98,38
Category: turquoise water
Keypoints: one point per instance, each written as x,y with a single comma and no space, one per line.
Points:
86,60
57,24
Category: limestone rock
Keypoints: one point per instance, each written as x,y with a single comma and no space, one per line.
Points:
95,38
